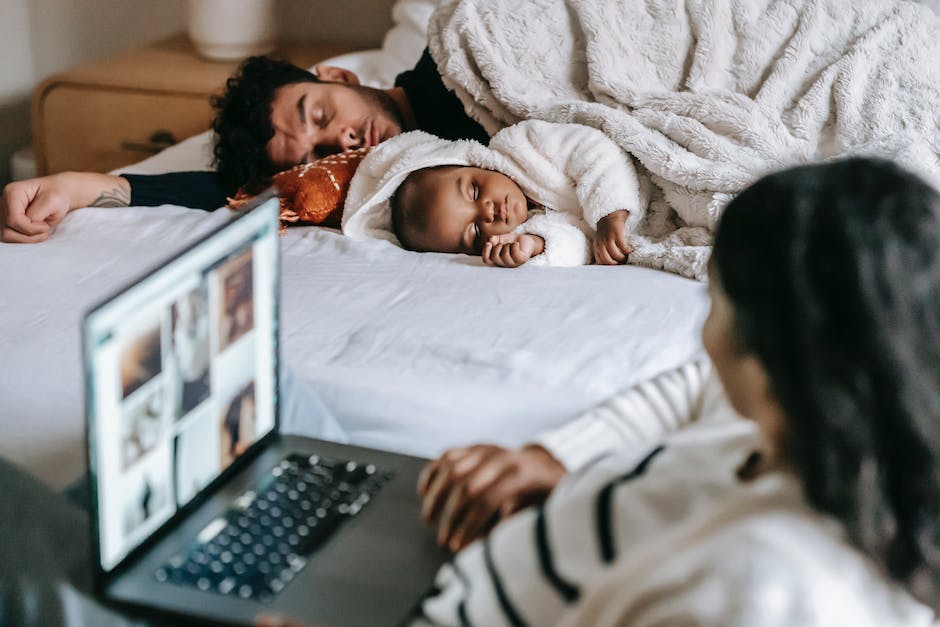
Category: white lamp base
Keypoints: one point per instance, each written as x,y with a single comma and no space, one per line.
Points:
228,30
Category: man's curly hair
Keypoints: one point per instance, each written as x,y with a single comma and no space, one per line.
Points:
242,123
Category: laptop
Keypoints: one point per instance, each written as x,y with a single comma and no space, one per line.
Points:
199,506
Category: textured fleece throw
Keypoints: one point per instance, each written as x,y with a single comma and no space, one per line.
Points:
705,95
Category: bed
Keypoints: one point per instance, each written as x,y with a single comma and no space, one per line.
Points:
412,352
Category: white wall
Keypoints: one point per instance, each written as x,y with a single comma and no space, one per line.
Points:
360,22
67,32
16,79
42,37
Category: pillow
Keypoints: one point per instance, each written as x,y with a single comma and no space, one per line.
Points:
407,39
312,193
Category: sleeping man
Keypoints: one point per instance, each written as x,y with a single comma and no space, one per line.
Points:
741,89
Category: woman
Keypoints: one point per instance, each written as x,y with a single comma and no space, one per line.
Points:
823,509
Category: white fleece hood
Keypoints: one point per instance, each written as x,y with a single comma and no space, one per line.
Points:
367,214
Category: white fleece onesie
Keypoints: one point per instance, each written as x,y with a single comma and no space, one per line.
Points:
574,171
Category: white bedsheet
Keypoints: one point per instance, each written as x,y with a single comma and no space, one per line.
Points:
413,352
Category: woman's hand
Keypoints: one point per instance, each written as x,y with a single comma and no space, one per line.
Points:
511,250
468,490
276,620
610,241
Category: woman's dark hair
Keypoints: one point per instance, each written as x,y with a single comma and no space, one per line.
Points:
242,123
833,272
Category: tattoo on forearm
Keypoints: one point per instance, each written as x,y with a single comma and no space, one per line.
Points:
117,197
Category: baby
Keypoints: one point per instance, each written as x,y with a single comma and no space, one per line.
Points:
540,193
463,209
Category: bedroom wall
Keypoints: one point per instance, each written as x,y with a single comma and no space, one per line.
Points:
16,79
41,37
333,20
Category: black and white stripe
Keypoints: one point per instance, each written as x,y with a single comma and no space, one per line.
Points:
568,591
505,604
604,507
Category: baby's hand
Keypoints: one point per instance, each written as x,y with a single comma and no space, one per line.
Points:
610,242
511,250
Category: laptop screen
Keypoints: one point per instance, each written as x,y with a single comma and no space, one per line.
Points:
180,379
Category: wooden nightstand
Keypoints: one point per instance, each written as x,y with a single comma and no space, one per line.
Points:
117,111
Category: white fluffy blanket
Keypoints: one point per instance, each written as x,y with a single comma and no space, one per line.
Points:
706,95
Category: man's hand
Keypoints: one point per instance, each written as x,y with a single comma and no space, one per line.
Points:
610,242
30,209
511,250
467,490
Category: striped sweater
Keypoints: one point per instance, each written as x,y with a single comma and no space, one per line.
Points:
666,534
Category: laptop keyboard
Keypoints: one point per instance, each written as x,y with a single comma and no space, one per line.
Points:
259,545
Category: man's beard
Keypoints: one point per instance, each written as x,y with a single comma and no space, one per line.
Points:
377,99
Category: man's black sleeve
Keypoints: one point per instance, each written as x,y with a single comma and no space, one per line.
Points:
198,190
437,110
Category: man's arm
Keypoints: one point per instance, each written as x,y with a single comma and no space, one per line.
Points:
201,189
30,209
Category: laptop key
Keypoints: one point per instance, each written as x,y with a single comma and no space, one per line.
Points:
287,575
259,545
227,585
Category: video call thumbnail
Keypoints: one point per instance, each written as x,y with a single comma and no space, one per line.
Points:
189,329
141,360
187,406
236,313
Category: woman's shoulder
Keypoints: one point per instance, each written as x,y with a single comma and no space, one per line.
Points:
789,565
763,558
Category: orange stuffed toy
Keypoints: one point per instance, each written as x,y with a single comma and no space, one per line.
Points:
312,193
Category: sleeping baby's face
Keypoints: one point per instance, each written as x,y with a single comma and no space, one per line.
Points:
455,209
